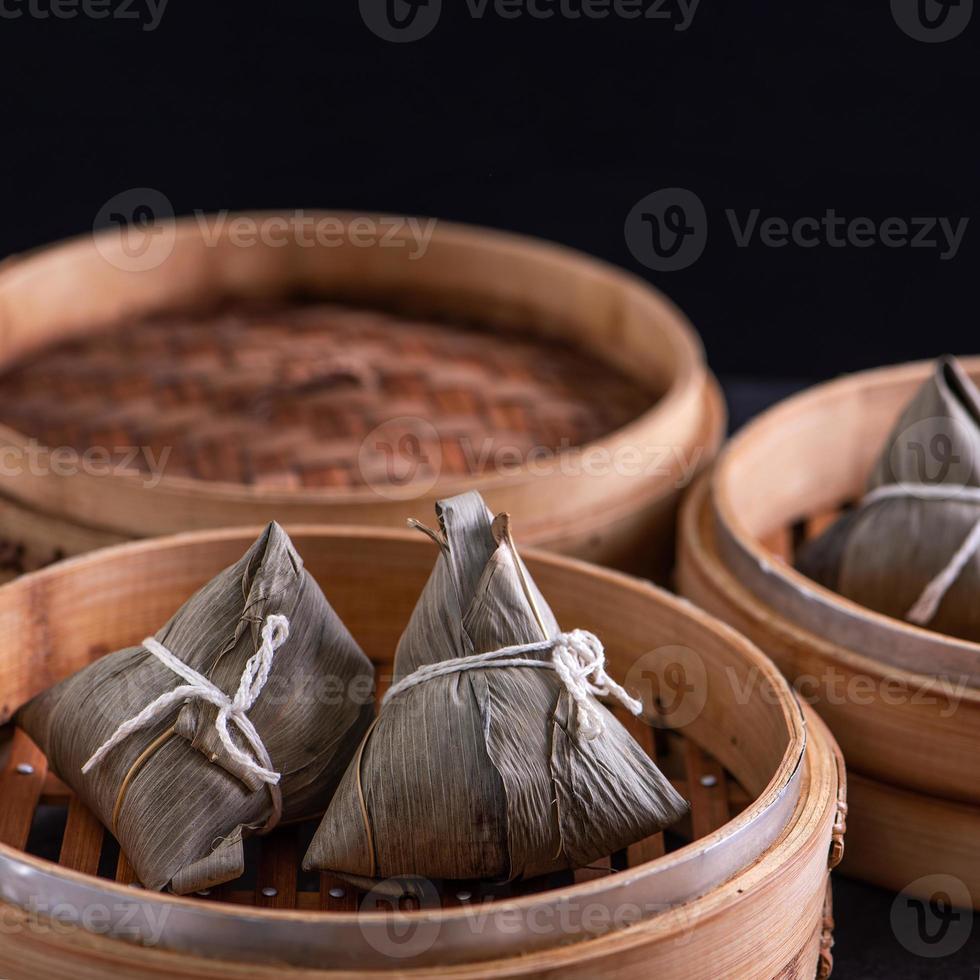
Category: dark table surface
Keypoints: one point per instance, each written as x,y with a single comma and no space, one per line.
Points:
868,945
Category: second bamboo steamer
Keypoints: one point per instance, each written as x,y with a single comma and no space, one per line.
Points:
896,696
482,337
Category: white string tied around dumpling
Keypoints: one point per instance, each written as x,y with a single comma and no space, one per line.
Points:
924,609
577,657
275,631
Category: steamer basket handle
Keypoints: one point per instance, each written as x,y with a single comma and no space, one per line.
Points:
825,965
840,820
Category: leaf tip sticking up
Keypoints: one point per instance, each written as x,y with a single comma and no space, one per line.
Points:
500,529
417,525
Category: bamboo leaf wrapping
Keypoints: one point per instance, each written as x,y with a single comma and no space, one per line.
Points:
186,808
883,555
476,774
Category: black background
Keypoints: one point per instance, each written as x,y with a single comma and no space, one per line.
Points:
554,128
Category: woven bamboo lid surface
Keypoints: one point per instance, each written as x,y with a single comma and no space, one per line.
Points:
284,395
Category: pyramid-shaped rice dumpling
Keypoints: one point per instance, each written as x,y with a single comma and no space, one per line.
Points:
486,772
896,552
177,798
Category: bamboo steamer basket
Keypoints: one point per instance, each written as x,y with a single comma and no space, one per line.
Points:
739,889
623,515
896,696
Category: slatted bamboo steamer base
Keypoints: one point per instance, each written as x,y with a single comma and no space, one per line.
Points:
511,290
909,735
739,889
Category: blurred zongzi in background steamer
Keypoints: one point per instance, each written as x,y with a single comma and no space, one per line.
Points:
498,354
911,547
740,891
901,699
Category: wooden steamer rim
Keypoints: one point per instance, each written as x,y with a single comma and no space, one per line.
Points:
694,872
912,769
901,741
494,277
846,421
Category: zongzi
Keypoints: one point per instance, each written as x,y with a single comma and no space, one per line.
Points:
480,765
179,769
911,547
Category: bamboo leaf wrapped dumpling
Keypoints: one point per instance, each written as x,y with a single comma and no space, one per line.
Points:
911,547
243,711
494,771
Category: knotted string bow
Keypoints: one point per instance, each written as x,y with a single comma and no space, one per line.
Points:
275,631
577,657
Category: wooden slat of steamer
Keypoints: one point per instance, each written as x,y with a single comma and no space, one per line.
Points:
597,869
125,872
82,843
450,892
240,897
20,792
707,786
650,847
277,870
344,899
55,792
